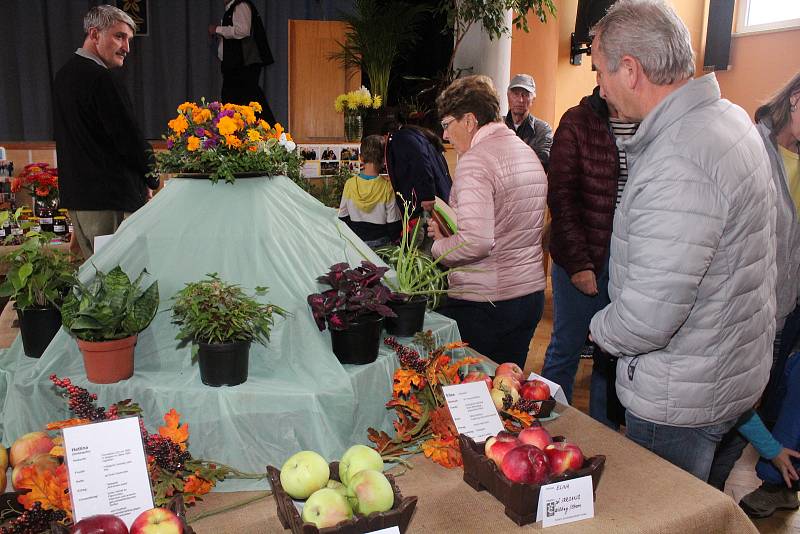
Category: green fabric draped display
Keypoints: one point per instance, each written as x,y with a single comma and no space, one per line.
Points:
256,232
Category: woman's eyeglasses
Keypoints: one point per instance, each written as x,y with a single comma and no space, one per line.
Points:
445,124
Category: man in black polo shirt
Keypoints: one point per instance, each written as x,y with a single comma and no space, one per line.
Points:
536,133
103,158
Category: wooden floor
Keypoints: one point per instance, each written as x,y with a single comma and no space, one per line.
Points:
742,479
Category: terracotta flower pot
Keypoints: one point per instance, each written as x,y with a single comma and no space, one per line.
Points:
107,362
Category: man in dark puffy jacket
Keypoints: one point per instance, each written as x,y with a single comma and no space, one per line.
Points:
587,175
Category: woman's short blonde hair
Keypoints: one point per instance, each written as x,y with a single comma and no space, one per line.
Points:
471,94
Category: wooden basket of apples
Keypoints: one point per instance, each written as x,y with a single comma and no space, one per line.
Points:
514,467
509,381
350,496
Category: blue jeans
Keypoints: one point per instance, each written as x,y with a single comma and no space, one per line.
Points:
691,449
572,313
775,391
787,427
502,330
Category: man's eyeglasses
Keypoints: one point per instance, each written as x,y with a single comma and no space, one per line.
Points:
445,124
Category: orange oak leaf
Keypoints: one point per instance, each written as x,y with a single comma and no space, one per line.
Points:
456,345
451,371
380,439
404,379
194,487
174,430
442,423
66,423
434,371
47,486
411,406
403,426
523,418
444,452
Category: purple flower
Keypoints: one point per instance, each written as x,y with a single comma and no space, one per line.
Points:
209,143
170,144
200,132
214,106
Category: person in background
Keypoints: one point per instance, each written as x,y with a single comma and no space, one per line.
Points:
587,175
692,267
368,202
499,197
243,50
416,165
536,133
778,122
103,158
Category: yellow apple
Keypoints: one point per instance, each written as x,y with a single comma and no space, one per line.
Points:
28,445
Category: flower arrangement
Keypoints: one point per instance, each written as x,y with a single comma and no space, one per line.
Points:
353,294
38,179
423,421
224,139
173,470
356,102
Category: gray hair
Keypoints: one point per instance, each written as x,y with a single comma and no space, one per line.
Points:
651,32
104,16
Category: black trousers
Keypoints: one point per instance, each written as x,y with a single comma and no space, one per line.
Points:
240,86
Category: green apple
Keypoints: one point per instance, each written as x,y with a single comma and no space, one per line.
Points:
357,458
326,507
304,473
371,492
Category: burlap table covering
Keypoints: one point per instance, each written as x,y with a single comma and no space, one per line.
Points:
639,492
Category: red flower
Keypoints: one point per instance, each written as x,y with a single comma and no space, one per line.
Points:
42,191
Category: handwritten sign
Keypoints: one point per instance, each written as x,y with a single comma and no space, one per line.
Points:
472,410
107,469
555,390
565,502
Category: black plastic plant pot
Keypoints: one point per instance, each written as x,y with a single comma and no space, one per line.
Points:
223,364
38,326
359,343
410,316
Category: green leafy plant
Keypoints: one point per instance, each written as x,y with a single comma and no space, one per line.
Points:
110,307
38,276
377,34
329,190
418,274
214,311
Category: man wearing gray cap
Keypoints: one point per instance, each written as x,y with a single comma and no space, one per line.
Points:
536,133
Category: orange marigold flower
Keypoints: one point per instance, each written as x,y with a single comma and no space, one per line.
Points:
186,107
201,115
252,148
278,128
264,124
192,143
226,126
289,136
233,141
253,135
179,124
256,106
249,116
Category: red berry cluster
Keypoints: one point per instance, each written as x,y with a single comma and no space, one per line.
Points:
80,401
33,521
527,405
167,454
409,358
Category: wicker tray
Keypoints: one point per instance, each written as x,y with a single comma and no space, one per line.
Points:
399,515
521,500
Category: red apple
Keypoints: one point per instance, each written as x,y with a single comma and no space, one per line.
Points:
28,445
527,464
496,447
100,524
535,390
506,383
564,456
157,521
509,368
477,376
536,435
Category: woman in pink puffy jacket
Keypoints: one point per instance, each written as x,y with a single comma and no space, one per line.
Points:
499,196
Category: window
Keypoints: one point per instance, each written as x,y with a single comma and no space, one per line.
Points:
764,15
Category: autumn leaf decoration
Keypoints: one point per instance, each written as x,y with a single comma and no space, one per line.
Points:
174,430
46,486
423,422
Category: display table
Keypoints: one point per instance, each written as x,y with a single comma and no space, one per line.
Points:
639,492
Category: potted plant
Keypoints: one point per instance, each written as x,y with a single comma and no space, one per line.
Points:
353,309
106,317
221,321
353,104
40,180
37,280
420,280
